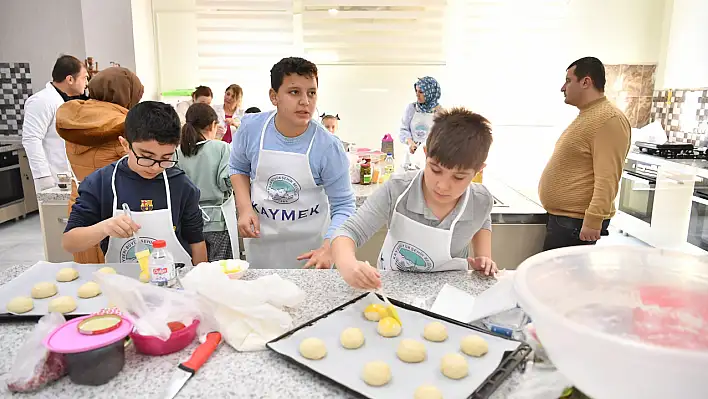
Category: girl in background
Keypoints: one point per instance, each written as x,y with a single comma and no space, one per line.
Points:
330,122
205,159
230,113
202,94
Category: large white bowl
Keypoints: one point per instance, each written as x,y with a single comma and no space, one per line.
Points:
581,301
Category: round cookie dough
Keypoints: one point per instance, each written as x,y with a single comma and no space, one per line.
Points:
313,348
144,277
67,274
411,351
376,374
20,304
352,338
454,365
107,270
63,304
44,290
474,345
375,312
89,290
435,332
427,392
388,327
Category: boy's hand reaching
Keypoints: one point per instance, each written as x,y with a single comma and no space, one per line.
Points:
248,224
120,226
320,258
483,264
360,275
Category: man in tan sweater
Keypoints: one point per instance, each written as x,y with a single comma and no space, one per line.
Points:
580,182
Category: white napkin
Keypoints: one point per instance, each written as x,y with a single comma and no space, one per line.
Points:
651,133
248,313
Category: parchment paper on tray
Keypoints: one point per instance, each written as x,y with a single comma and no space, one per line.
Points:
45,271
345,366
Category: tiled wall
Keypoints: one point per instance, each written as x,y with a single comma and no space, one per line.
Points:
630,87
15,88
683,113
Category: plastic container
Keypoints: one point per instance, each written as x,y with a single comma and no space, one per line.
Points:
366,172
154,346
621,322
162,265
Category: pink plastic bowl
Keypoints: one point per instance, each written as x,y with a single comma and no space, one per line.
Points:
154,346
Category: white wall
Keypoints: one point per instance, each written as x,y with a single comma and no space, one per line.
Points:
687,51
108,32
146,65
39,31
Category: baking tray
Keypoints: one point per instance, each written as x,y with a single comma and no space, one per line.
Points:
344,366
45,271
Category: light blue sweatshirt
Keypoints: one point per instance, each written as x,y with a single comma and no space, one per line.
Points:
328,161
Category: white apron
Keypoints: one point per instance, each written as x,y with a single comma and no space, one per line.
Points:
420,126
154,225
228,209
414,247
293,211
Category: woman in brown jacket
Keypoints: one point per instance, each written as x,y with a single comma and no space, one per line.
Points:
91,129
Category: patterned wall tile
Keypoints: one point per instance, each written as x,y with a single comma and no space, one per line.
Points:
15,89
667,107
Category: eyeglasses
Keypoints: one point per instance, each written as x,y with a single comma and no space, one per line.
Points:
148,162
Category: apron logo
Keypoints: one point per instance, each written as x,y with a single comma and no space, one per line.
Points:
127,250
409,258
146,205
286,214
282,189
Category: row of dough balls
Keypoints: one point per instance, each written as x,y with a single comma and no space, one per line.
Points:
62,304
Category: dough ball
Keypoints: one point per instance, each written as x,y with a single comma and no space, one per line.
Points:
375,312
388,327
411,351
435,331
376,374
63,304
144,277
67,274
454,365
20,304
352,338
427,392
313,348
474,345
44,290
89,290
107,270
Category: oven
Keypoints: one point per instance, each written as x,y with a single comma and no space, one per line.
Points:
637,189
10,178
698,223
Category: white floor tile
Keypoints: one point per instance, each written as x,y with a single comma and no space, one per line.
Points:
21,242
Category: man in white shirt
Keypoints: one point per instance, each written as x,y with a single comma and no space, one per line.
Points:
45,149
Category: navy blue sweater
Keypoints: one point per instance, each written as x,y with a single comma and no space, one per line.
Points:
95,201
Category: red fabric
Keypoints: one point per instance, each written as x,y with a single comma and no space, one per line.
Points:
227,137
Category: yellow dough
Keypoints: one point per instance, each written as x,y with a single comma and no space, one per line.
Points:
454,365
89,290
44,290
20,304
144,277
474,345
313,348
63,304
67,274
352,338
435,332
411,351
107,270
427,392
388,327
375,312
376,374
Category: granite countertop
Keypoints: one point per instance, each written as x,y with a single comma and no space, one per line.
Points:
10,147
229,373
54,194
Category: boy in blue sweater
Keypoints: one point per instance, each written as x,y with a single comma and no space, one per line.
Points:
164,203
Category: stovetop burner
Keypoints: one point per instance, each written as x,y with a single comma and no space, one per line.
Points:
672,150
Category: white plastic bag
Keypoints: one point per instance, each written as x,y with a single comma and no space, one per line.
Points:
35,366
151,307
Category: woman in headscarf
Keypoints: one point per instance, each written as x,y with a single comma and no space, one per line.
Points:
418,119
230,113
91,129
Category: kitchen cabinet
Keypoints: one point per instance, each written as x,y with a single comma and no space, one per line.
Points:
31,204
53,217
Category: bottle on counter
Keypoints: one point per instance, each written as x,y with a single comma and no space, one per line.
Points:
366,172
162,265
389,167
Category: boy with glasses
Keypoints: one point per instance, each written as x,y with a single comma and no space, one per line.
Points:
164,203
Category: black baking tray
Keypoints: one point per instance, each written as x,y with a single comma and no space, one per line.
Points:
510,361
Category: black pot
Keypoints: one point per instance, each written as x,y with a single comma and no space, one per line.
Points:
97,366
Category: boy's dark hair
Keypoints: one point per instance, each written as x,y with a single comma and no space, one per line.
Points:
64,66
288,66
460,139
253,110
152,120
199,117
590,67
202,91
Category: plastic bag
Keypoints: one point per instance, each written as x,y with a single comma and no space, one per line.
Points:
151,307
35,366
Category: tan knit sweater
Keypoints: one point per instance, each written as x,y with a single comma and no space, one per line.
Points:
582,177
